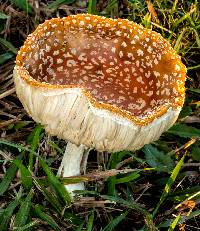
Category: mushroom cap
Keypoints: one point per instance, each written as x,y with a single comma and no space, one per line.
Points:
108,84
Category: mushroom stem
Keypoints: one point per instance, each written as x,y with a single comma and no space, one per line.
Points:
73,163
84,161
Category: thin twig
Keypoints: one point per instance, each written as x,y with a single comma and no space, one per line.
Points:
143,191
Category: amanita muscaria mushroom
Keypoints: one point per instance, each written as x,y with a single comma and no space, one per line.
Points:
99,83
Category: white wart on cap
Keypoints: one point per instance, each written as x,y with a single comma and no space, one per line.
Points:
107,84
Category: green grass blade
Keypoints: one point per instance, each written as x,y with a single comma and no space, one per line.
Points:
157,159
23,213
73,219
182,219
25,175
80,227
45,217
174,6
197,37
195,151
49,196
7,214
111,186
92,4
186,111
57,3
21,124
29,225
34,140
194,67
23,5
169,184
111,226
116,157
174,223
56,147
132,176
90,221
35,137
4,16
18,146
183,130
55,183
133,205
178,41
8,45
195,90
111,5
180,20
182,195
9,176
5,57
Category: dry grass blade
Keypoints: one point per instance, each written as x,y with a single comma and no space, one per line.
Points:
92,202
7,93
183,147
152,11
97,175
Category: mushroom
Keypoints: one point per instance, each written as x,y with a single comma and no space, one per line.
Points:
99,83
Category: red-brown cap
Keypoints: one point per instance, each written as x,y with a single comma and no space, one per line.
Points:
119,66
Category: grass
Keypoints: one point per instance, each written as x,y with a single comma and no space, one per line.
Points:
162,190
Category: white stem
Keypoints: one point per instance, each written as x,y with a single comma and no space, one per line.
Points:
84,161
71,165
